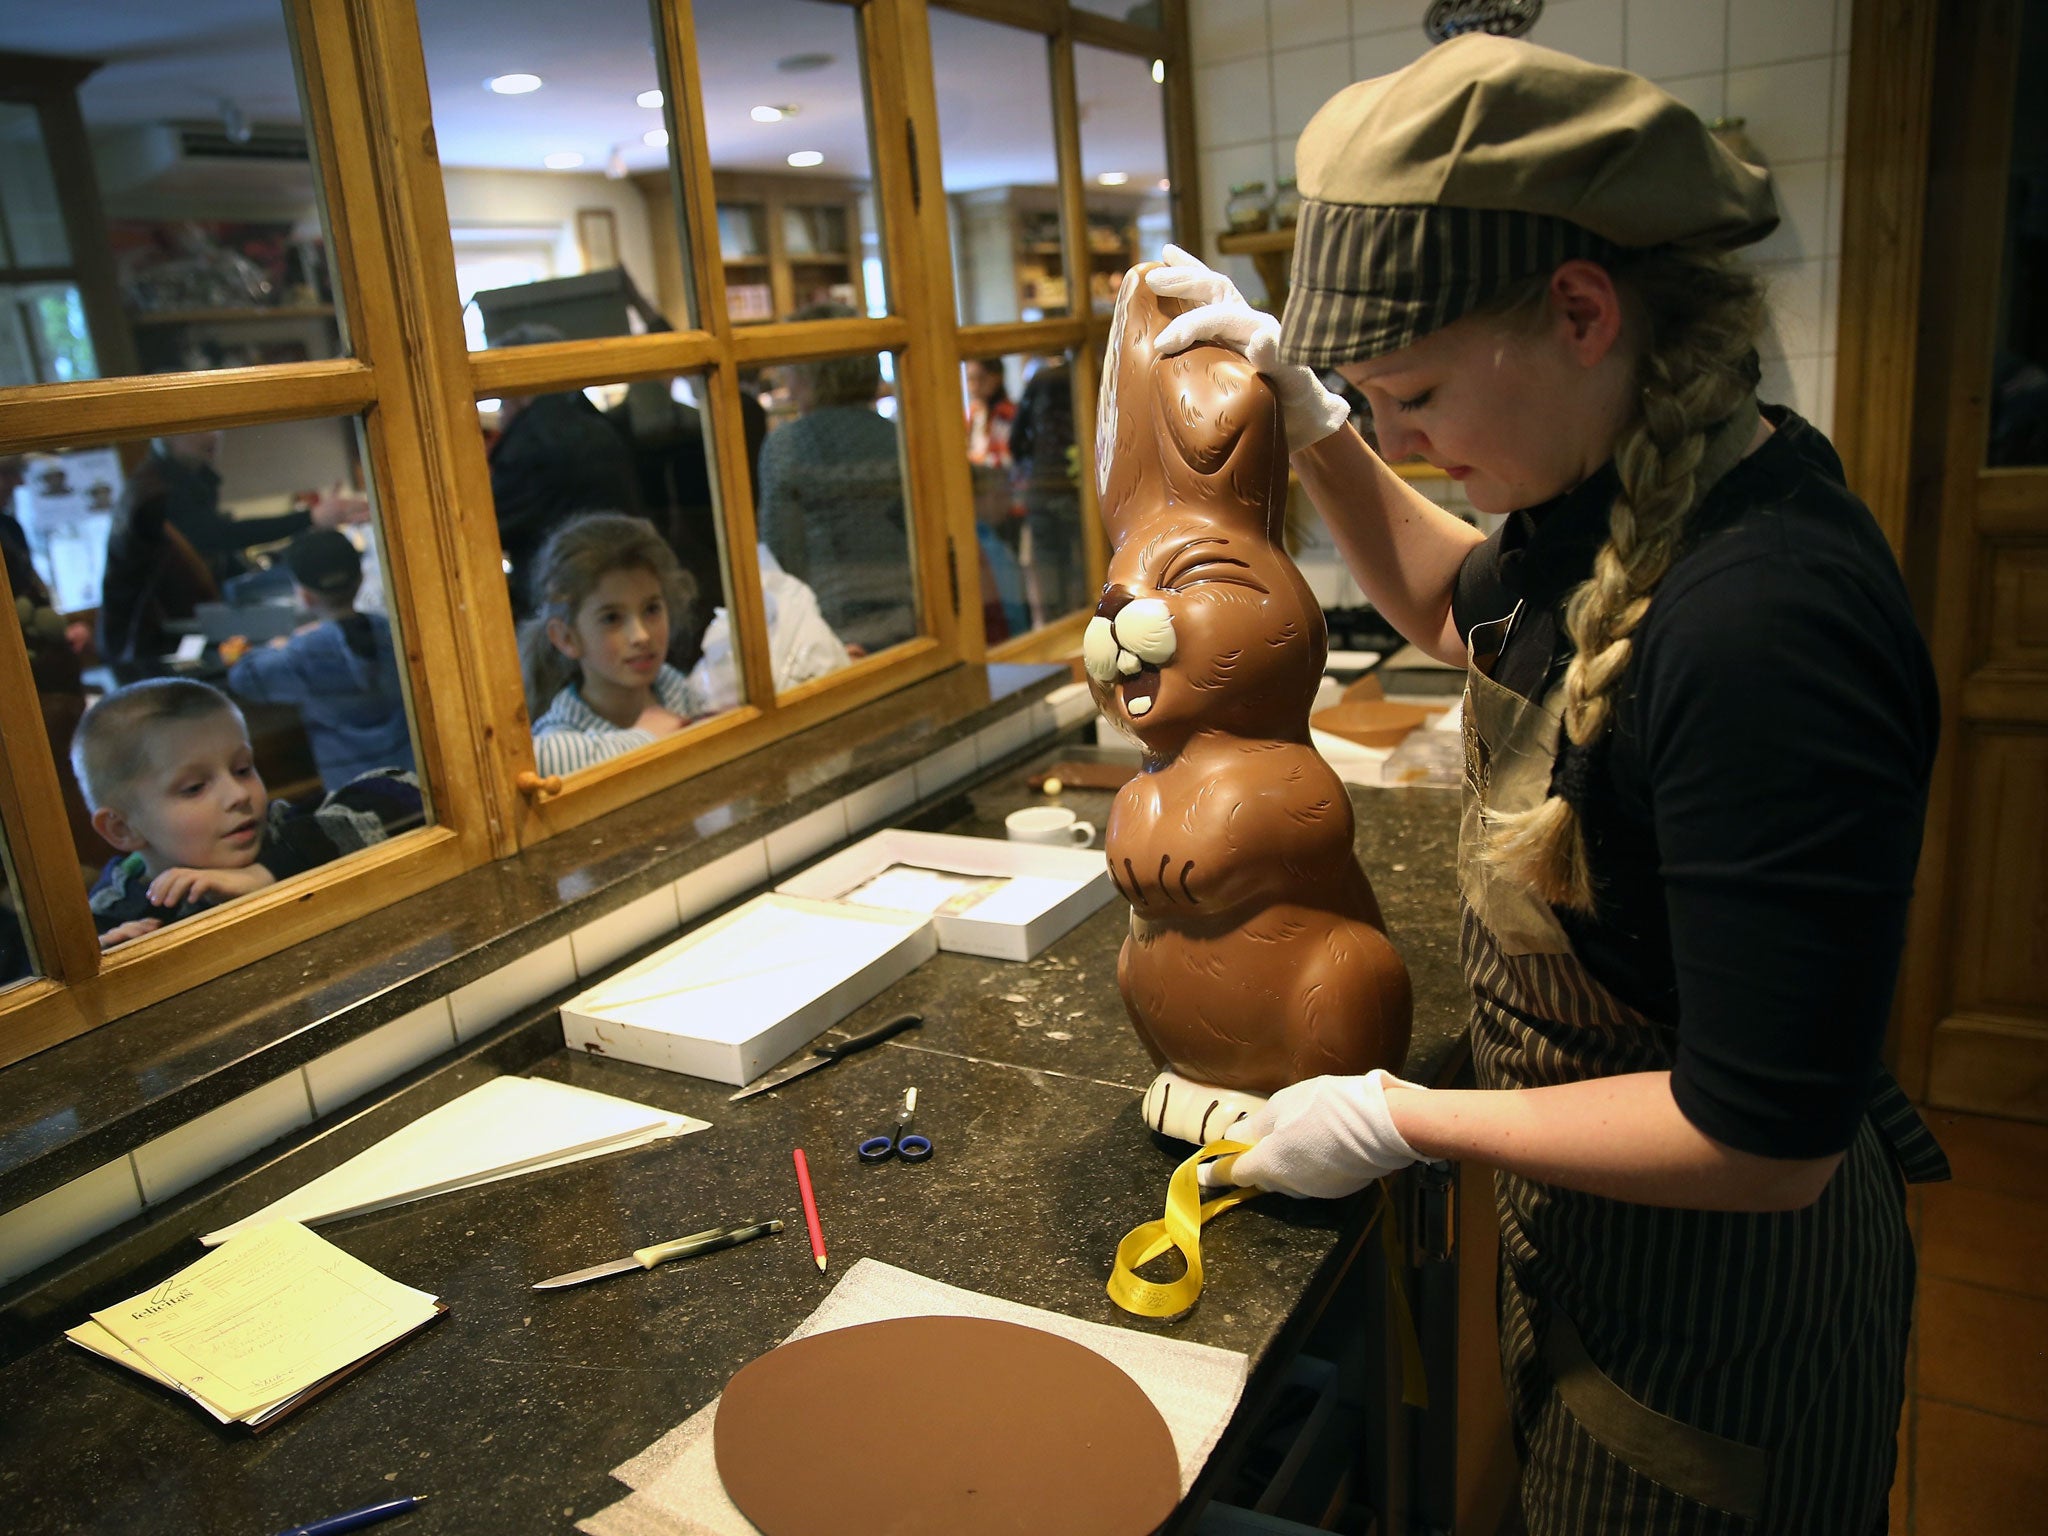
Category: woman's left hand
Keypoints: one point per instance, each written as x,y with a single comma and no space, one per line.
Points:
1320,1139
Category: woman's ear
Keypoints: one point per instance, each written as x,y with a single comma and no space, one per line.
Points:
114,827
563,639
1586,308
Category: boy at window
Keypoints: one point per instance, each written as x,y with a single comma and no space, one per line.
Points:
167,769
340,672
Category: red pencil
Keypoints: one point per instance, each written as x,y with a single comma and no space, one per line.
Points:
803,1184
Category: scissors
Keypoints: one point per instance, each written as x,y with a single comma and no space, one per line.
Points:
900,1142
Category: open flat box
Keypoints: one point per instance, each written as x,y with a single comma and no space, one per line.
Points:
730,999
1000,900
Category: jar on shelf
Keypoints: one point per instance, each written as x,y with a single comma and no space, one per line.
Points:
1248,209
1286,204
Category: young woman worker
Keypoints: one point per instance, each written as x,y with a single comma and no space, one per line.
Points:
1699,724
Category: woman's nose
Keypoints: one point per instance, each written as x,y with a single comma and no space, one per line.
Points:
1397,441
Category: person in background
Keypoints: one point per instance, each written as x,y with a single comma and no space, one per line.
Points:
183,466
1042,450
998,519
1700,725
831,504
555,456
154,579
595,651
340,672
168,771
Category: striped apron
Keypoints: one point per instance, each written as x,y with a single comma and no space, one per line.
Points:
1693,1372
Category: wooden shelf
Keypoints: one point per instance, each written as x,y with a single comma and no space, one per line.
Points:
1271,250
233,314
1257,242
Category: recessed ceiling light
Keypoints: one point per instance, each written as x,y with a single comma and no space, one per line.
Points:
563,160
512,85
804,63
656,138
1114,178
771,114
1159,71
648,99
807,157
1165,185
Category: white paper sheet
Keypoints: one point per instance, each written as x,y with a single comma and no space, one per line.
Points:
509,1126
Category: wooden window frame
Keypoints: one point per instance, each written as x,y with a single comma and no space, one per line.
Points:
412,383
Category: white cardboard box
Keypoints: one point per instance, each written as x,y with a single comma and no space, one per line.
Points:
1002,900
730,999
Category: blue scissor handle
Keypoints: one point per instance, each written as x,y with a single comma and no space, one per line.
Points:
914,1148
877,1149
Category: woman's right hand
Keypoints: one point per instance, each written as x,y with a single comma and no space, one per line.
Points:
1309,412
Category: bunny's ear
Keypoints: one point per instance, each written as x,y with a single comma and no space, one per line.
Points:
1198,428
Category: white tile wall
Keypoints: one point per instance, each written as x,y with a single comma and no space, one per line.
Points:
881,801
945,768
806,837
719,881
518,984
597,944
370,1060
1780,64
199,1147
36,1232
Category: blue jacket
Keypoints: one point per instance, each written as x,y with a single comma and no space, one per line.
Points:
343,679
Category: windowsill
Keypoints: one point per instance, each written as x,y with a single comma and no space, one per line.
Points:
77,1106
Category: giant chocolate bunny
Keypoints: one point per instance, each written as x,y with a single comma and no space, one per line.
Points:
1256,956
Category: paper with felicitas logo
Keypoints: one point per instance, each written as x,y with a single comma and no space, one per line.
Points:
262,1317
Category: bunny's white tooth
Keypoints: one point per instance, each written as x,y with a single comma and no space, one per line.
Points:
1140,707
1098,650
1127,663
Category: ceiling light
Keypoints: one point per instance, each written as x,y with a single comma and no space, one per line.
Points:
655,138
807,157
648,99
615,164
1165,185
1113,178
512,85
771,114
1159,71
563,160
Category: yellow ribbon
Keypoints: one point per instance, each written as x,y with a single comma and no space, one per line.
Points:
1180,1228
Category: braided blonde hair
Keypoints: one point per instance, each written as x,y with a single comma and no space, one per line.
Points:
1697,314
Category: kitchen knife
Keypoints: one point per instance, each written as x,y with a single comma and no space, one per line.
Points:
825,1055
709,1241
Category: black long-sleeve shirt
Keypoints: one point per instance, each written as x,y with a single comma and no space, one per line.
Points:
1755,819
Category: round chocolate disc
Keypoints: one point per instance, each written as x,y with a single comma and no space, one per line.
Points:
943,1426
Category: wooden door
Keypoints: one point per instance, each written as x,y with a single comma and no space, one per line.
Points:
1962,469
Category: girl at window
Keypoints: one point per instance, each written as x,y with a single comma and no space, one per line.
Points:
595,652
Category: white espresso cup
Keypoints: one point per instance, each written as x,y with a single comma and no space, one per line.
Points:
1048,824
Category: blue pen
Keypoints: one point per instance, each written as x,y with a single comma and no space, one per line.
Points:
356,1519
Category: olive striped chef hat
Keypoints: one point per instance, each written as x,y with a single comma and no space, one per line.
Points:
1488,160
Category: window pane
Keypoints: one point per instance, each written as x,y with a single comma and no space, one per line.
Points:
242,569
607,507
1123,166
201,239
553,131
1027,502
50,657
785,114
1001,169
833,511
17,951
2019,399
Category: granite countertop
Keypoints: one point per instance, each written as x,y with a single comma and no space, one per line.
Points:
512,1409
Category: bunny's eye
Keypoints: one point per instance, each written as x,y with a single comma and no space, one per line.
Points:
1211,568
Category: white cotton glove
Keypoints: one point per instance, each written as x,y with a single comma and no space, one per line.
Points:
1323,1138
1309,411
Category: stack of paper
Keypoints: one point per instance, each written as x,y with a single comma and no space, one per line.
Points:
510,1125
260,1325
